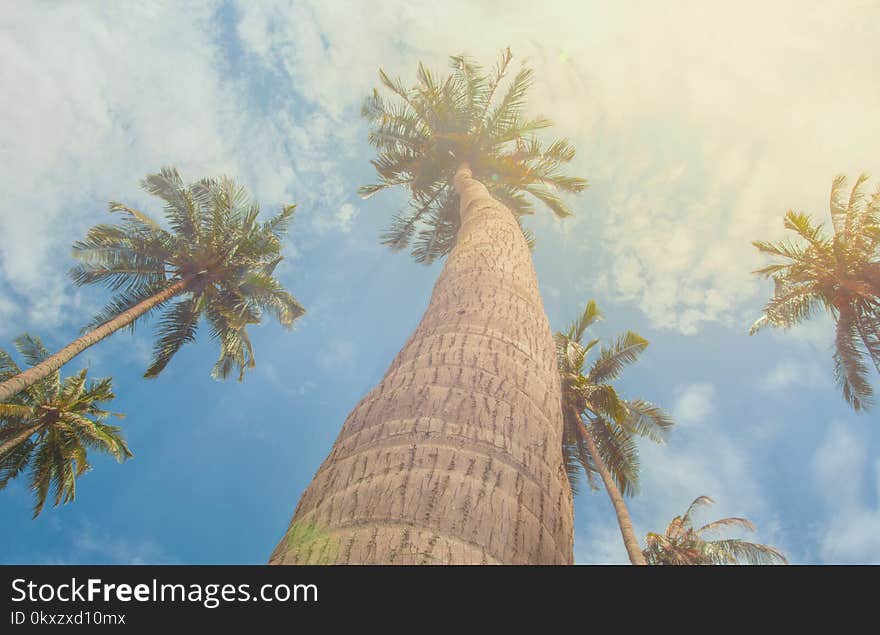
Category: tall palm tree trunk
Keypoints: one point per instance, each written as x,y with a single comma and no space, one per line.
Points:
455,457
45,368
20,438
630,541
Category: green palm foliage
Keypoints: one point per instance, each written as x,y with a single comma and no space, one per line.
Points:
682,544
589,399
214,244
839,273
51,425
425,133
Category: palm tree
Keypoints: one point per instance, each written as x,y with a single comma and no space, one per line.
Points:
600,426
455,456
682,544
839,273
216,257
51,425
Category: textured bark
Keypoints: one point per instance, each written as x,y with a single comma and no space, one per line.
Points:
630,541
455,457
45,368
20,438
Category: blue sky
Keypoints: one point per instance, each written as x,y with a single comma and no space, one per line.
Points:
698,126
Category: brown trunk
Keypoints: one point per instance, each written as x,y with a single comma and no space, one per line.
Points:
633,549
20,438
455,457
45,368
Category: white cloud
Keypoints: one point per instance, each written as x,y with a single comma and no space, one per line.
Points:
701,462
337,354
98,95
93,545
702,458
838,464
699,124
95,95
707,140
791,372
853,539
84,543
850,487
341,221
694,404
598,542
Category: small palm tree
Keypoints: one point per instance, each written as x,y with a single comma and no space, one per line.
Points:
683,544
51,425
216,257
600,426
839,273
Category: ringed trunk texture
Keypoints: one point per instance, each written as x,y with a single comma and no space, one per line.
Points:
455,457
45,368
630,541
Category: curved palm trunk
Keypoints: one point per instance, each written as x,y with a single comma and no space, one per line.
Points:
633,549
45,368
455,457
20,438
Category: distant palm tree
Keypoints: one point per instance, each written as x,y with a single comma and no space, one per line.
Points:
682,544
840,273
599,424
216,256
465,426
51,425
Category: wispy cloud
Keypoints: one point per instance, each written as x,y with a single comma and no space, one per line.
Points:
84,123
849,484
336,354
341,220
82,542
694,404
789,373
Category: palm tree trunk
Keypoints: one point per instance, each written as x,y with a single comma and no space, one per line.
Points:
633,549
20,438
52,363
455,457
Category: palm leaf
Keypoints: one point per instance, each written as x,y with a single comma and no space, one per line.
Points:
611,361
177,326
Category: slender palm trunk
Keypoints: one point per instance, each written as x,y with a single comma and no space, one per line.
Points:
20,438
633,549
455,457
45,368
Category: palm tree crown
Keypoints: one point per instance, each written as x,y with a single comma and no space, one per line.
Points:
214,245
590,400
840,273
425,133
682,544
51,425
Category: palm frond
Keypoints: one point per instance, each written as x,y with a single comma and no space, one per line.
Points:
424,133
619,453
590,316
13,463
217,247
699,501
177,326
732,551
31,348
849,367
644,419
49,427
612,359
